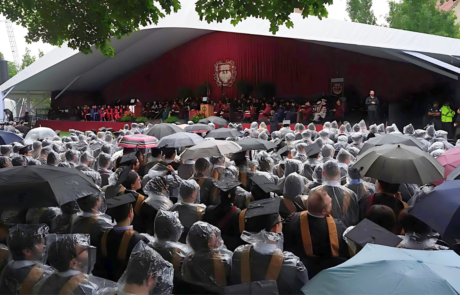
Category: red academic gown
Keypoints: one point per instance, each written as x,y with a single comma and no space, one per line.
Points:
266,113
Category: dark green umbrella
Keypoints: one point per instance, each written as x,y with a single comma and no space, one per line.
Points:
391,139
399,164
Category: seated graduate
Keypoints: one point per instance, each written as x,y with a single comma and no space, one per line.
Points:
207,268
320,244
27,246
263,258
72,256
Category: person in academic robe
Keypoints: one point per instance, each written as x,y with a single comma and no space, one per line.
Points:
117,243
189,208
226,215
157,190
209,192
146,273
63,220
92,221
207,268
70,255
345,206
315,236
27,245
263,257
86,162
293,196
187,169
104,161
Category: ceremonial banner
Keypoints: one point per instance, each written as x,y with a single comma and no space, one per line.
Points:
225,72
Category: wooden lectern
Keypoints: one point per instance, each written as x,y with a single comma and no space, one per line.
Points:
138,108
207,109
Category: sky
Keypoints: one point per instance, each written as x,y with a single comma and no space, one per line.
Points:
336,11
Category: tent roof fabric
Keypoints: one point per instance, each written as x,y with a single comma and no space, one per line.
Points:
62,66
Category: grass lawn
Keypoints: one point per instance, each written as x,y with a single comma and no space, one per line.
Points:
64,133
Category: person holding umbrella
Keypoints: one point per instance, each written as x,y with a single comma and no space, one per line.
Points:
209,192
5,162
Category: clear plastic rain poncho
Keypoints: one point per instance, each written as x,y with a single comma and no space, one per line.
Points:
373,129
457,144
292,166
327,152
218,163
437,153
276,135
145,267
430,132
344,159
436,146
157,191
390,129
447,145
355,183
357,139
5,162
53,159
356,128
86,157
294,186
299,128
317,178
209,264
306,136
312,128
301,156
343,129
363,127
36,149
381,129
324,134
319,141
408,130
94,175
6,150
263,136
327,126
19,160
168,230
353,151
342,142
344,201
100,135
16,147
72,157
21,237
290,137
266,162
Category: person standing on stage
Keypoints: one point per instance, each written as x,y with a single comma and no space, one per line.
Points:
434,114
372,103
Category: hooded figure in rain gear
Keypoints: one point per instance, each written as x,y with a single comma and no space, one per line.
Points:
408,130
357,139
189,208
263,258
73,258
344,159
207,268
327,152
27,246
314,235
306,137
209,193
157,192
324,134
225,216
168,230
293,195
344,201
301,152
355,182
146,273
313,153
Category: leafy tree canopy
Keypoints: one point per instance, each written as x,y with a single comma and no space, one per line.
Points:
360,11
424,17
83,23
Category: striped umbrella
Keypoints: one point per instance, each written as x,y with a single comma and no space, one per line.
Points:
138,140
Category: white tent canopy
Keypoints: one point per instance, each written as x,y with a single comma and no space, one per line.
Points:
64,68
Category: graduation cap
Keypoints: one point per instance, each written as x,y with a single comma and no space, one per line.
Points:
264,183
262,214
25,149
128,159
368,232
286,122
227,184
119,201
312,149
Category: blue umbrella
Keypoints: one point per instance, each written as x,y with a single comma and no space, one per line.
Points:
386,270
440,209
9,137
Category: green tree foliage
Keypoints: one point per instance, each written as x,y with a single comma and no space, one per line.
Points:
83,23
360,11
40,53
424,17
27,59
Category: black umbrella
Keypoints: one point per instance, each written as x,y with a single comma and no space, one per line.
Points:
162,130
223,133
391,139
249,144
43,186
399,164
213,119
440,209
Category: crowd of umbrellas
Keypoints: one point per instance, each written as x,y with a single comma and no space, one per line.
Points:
391,156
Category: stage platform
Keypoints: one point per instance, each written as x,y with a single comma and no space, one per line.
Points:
90,125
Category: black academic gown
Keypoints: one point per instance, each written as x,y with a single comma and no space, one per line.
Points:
321,245
292,276
78,286
226,218
115,252
93,226
62,224
209,192
186,171
288,206
188,215
13,278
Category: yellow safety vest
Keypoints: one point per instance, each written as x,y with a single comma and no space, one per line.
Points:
447,114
